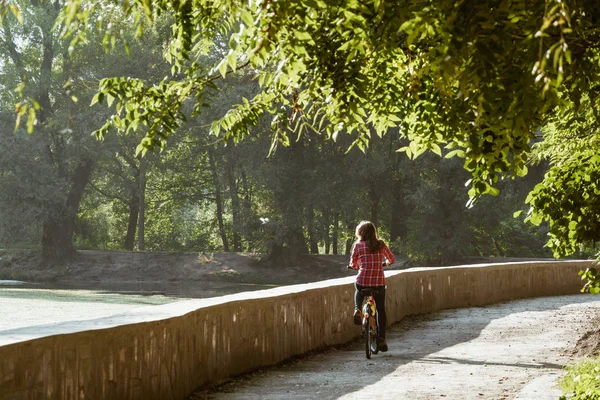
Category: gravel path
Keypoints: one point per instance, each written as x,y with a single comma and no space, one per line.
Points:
512,350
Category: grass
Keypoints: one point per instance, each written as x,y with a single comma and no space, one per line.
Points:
582,380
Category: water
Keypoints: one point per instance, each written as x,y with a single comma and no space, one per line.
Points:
25,304
27,307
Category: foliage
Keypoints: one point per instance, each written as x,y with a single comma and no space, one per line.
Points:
374,76
582,381
477,77
568,197
590,275
43,175
440,230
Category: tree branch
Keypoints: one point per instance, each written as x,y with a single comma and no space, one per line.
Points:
108,195
15,56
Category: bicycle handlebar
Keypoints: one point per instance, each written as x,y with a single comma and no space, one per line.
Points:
385,264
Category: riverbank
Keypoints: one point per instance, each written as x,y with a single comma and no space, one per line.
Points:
182,274
157,271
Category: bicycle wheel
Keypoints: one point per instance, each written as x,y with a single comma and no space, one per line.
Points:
368,337
374,334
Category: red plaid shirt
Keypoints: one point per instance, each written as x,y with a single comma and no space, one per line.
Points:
370,265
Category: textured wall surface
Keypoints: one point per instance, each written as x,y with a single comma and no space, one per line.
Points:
165,352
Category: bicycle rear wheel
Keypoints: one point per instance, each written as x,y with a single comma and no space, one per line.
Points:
368,337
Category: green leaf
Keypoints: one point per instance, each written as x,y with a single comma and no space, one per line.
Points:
517,214
31,120
223,67
493,191
247,17
457,153
126,44
535,218
231,60
302,35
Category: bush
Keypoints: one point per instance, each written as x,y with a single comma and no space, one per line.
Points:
582,381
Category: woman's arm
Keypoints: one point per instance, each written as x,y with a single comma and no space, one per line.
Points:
388,255
354,257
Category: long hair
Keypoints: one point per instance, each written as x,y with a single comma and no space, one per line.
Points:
366,231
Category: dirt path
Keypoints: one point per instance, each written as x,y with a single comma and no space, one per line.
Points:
512,350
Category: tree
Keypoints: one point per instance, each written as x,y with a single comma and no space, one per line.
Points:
449,74
45,175
61,156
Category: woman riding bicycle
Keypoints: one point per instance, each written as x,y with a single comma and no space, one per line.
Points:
369,255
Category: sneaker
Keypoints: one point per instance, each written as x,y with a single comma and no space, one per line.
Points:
382,344
357,317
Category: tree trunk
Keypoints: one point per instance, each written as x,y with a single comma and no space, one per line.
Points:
235,199
247,199
215,176
57,231
350,240
335,234
399,214
134,208
45,82
142,205
246,219
134,201
374,197
325,230
57,239
312,234
290,198
297,244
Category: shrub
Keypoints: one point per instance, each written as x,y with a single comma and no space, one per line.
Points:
582,381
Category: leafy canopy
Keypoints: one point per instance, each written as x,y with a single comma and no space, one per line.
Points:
477,77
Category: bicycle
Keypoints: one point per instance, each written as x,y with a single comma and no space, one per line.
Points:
369,327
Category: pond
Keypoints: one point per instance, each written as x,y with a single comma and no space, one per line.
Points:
24,304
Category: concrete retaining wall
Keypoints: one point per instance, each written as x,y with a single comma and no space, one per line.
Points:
165,352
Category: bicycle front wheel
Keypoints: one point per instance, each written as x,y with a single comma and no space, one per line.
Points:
374,330
368,337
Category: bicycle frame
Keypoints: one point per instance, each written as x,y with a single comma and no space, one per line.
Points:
369,309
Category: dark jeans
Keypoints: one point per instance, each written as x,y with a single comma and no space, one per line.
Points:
379,303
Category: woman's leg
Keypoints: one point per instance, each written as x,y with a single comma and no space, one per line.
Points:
358,296
358,299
